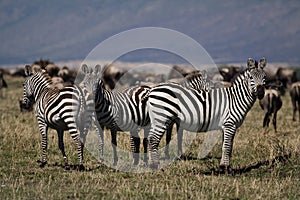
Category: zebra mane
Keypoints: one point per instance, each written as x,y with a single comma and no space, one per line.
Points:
239,76
44,74
197,80
196,75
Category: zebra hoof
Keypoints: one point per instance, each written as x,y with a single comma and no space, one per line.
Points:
43,164
115,163
81,168
167,157
224,169
153,166
135,161
67,167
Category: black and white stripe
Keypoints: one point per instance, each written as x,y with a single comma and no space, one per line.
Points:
60,109
196,80
202,110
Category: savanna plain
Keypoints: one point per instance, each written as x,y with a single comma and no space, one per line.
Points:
265,164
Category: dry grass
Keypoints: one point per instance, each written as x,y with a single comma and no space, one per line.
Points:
266,166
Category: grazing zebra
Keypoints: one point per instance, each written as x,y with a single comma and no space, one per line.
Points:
200,110
295,97
271,103
119,110
58,109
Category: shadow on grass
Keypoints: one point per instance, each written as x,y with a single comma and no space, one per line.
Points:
212,169
71,167
243,170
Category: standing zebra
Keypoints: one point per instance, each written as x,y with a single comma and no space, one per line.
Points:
295,97
201,111
58,109
90,115
119,110
196,80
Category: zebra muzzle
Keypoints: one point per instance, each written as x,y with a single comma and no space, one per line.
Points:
260,92
25,106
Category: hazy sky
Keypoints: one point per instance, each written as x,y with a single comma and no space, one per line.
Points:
230,31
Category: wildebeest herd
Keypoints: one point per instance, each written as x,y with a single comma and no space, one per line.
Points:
196,103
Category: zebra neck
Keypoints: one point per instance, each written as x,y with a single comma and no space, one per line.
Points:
241,96
41,88
103,96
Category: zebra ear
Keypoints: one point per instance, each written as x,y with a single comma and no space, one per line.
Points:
28,70
85,68
262,62
97,69
250,63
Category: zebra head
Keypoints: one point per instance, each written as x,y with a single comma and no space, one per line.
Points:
256,77
28,90
87,83
92,79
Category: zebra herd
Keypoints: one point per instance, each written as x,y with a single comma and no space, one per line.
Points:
192,105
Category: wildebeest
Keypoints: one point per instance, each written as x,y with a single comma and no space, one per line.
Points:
229,72
271,103
111,75
295,97
287,77
42,63
3,83
52,70
179,71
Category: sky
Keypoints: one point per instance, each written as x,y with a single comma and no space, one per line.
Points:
230,31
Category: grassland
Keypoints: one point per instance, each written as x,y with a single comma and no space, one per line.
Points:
266,165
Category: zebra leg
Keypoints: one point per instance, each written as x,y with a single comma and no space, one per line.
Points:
135,146
179,139
83,133
75,136
60,134
153,142
99,131
228,136
44,132
168,139
113,133
145,144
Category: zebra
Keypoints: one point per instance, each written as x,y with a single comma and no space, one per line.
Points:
60,109
119,111
295,98
201,111
196,80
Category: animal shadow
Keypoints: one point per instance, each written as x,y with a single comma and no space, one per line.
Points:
213,170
